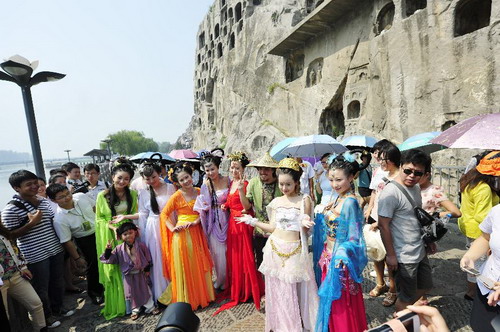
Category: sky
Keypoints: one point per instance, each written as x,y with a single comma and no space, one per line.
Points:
129,65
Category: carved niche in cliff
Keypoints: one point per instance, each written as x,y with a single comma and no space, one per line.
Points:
294,66
314,72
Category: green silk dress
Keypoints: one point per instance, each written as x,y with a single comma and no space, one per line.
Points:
110,275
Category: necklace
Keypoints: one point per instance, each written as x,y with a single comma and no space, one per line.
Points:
341,198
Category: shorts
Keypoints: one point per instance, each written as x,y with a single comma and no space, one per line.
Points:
411,277
364,192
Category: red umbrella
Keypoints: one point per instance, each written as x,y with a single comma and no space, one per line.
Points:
479,132
183,154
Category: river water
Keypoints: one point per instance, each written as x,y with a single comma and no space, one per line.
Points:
6,190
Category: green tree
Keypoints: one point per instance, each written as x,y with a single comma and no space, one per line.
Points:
165,147
130,142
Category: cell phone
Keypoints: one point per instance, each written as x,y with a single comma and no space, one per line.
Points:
410,321
487,282
471,270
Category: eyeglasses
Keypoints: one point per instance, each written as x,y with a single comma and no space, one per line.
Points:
408,171
63,196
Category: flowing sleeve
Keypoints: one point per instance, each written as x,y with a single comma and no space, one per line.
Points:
166,235
202,206
144,207
348,254
318,242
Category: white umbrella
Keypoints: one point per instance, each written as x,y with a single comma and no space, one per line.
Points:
313,146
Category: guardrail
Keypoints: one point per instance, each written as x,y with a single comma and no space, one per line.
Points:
448,177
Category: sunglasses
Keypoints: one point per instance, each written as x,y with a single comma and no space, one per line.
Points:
408,171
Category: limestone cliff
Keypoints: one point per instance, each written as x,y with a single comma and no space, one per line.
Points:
275,68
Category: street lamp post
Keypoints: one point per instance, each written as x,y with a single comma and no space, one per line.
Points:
108,142
68,151
18,70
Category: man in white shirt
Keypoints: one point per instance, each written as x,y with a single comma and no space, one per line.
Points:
75,218
306,180
92,173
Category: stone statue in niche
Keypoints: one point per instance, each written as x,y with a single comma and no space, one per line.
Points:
294,67
314,72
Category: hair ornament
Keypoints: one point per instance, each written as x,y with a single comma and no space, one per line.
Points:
170,173
349,157
289,163
331,158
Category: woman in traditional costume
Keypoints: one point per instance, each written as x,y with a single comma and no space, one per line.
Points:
344,257
242,279
214,219
186,258
291,291
114,206
151,202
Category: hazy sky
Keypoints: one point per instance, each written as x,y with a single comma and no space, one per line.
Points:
129,65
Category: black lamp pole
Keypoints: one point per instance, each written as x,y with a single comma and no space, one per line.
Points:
20,74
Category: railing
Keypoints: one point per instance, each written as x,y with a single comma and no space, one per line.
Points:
448,177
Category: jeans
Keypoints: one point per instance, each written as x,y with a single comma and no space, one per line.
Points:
88,247
48,282
21,290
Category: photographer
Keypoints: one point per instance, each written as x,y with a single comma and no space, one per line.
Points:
75,217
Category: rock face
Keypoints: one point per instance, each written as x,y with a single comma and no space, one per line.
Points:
276,68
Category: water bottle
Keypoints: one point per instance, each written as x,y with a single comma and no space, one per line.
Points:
446,218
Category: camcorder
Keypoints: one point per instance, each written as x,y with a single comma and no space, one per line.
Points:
81,188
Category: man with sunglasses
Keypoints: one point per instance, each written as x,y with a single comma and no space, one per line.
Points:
400,230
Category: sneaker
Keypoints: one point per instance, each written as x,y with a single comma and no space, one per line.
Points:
51,322
64,312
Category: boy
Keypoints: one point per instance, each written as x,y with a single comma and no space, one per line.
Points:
135,263
75,218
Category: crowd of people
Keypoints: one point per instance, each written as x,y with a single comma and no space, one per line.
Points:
292,238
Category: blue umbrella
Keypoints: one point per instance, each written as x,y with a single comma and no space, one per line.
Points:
275,151
359,140
422,142
147,155
314,145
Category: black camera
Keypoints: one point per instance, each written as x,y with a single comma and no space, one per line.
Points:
81,188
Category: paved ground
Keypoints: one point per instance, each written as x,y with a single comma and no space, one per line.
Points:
447,296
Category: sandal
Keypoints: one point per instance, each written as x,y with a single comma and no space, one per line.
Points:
379,290
156,311
134,316
389,299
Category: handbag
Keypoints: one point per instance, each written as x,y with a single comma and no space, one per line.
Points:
433,229
375,249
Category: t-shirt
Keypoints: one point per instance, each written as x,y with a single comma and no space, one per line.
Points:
92,193
432,196
77,222
491,268
307,174
377,177
364,178
41,242
405,227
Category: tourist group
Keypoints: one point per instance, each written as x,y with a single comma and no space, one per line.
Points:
295,239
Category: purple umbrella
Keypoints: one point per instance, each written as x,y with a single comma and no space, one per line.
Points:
479,132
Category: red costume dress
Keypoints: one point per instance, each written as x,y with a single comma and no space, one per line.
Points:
242,279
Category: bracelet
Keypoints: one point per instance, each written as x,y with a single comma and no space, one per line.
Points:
78,258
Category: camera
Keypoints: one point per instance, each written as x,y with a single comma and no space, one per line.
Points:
81,188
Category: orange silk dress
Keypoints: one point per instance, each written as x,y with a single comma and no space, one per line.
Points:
186,258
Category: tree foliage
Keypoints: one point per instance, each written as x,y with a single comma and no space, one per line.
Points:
130,142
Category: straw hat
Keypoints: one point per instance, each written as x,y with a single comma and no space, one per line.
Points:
490,165
265,161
